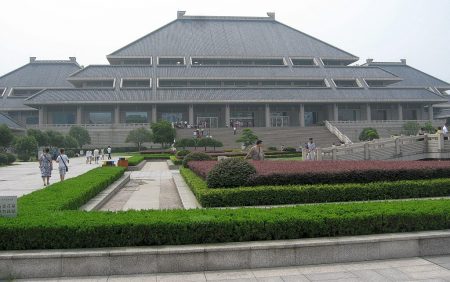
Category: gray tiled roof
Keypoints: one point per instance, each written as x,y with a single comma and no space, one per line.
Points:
411,76
40,74
196,72
11,123
78,96
234,36
13,104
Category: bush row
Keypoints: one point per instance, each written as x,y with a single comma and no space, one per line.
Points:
175,160
7,158
318,193
136,159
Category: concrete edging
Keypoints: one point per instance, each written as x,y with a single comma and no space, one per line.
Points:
187,197
104,196
245,255
137,167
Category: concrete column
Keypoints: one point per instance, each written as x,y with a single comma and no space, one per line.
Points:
117,114
191,114
301,115
42,113
267,115
227,115
154,113
430,111
335,112
368,112
400,111
79,115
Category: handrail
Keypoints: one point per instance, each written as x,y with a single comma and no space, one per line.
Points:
334,130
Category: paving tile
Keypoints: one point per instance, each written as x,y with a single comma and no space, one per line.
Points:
269,272
392,273
181,277
439,259
330,276
227,275
295,278
368,275
429,274
270,279
133,278
325,268
420,268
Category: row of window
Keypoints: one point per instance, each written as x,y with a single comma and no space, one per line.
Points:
220,61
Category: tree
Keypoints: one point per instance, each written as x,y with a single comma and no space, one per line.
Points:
247,137
26,147
411,128
209,142
139,136
41,137
368,134
163,132
429,128
55,139
81,135
6,136
186,142
70,142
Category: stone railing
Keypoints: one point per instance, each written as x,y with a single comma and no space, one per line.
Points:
89,125
334,130
395,123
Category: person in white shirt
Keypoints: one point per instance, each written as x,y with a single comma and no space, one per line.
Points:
63,162
109,152
88,156
445,131
96,155
311,149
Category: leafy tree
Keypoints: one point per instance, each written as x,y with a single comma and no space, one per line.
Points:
429,128
41,137
70,142
139,136
55,139
209,142
26,147
186,142
6,136
368,134
411,128
247,137
163,133
81,135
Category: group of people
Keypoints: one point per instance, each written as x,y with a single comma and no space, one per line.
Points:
46,165
97,154
199,133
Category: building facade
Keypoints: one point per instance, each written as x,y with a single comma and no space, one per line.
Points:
217,71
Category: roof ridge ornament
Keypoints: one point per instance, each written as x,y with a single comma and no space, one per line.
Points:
180,14
271,15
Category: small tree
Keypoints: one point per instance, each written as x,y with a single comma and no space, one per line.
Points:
81,135
163,133
6,136
55,139
41,137
70,142
186,142
368,134
209,142
247,137
429,128
411,128
26,147
139,136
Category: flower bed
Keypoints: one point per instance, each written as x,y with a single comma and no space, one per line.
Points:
295,172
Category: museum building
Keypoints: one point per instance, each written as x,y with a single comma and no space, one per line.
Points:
215,71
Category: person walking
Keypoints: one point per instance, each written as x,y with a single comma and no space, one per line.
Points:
63,162
256,153
88,157
46,166
102,153
96,155
109,150
311,148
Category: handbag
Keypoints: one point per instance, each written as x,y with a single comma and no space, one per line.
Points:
67,169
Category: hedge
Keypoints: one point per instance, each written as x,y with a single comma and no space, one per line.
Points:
136,159
319,193
176,161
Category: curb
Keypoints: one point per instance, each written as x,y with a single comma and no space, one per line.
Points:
104,196
224,256
137,167
187,198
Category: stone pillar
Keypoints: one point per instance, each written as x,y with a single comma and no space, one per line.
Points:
335,112
400,111
227,115
368,112
117,114
154,114
430,112
301,115
79,115
191,114
267,115
42,114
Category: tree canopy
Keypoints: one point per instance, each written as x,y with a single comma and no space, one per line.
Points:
139,136
247,137
41,137
26,147
81,135
6,136
163,133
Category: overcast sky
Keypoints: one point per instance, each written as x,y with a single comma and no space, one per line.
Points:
386,30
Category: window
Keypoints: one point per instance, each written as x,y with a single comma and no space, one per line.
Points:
346,83
136,117
24,92
99,84
337,62
2,91
303,62
136,61
100,117
238,62
63,117
136,83
241,83
175,61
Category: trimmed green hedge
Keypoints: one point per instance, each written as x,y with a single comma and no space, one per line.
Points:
136,159
318,193
176,161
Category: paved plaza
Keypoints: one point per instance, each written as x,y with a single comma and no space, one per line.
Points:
409,269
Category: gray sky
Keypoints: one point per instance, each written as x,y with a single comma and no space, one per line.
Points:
386,30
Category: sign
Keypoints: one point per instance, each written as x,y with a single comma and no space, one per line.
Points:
8,206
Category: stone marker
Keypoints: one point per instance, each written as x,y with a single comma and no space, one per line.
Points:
8,206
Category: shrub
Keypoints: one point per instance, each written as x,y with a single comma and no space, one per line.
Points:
230,173
26,147
6,136
290,149
429,128
186,142
70,153
176,161
80,134
135,160
272,148
70,142
368,134
410,128
3,159
183,153
195,156
10,158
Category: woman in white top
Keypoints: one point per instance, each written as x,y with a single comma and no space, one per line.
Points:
63,162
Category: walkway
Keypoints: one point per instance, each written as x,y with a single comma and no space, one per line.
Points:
150,188
410,269
25,177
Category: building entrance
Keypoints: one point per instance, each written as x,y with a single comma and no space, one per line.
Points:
208,122
279,121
